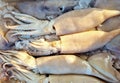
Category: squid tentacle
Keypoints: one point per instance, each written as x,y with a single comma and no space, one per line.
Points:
24,17
13,18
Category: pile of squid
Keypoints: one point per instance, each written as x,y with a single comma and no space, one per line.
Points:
71,41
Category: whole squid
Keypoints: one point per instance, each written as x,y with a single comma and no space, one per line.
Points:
59,64
74,43
76,22
46,9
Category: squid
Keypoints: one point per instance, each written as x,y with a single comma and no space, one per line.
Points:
15,68
24,65
108,4
4,9
68,78
73,79
114,47
76,19
74,43
46,9
110,24
104,61
64,38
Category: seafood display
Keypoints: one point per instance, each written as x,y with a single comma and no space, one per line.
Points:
54,41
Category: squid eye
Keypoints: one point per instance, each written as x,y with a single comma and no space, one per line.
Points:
9,73
62,8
